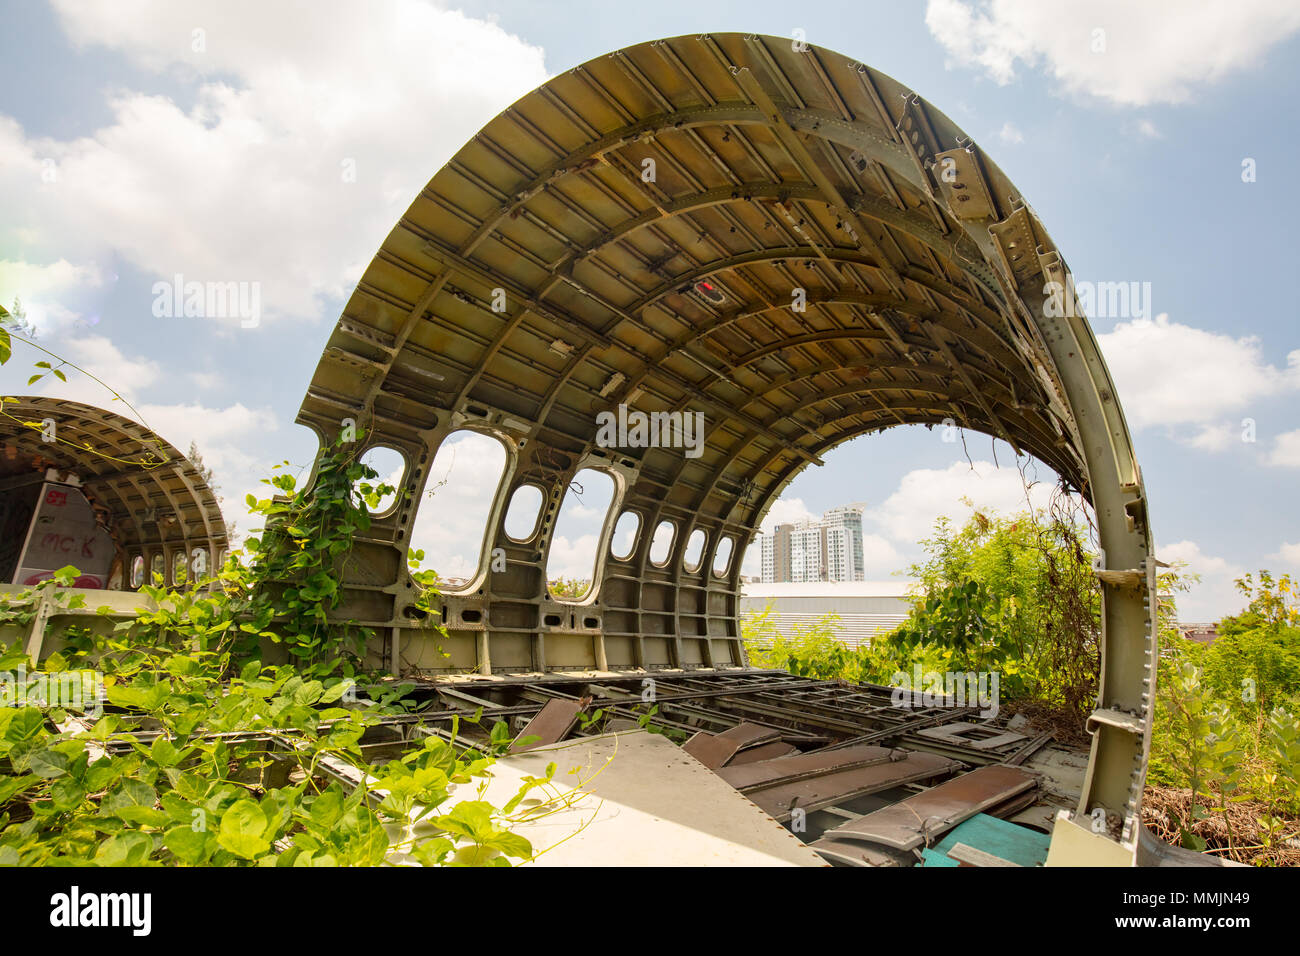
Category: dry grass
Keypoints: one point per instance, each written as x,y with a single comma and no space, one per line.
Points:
1232,834
1061,722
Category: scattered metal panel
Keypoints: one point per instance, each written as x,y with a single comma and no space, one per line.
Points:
905,727
1027,750
777,748
551,725
861,854
715,750
800,766
782,798
965,733
921,818
1010,843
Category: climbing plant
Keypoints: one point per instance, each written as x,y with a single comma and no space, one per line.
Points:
184,746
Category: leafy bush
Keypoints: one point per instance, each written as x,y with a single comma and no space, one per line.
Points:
212,757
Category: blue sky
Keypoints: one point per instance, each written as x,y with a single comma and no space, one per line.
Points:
145,139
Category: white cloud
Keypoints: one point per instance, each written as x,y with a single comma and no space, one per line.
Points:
880,558
1190,380
924,494
49,293
1289,554
574,558
786,511
1218,437
1215,594
100,357
1156,51
1148,129
1286,450
452,521
249,184
1010,133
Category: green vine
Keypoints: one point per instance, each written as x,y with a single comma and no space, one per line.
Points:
200,753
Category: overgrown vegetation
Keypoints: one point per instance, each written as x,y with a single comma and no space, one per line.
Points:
1018,595
568,589
1227,735
206,754
1013,594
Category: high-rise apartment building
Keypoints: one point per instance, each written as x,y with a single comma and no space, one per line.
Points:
776,554
829,549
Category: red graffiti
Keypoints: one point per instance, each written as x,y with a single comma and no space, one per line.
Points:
57,542
66,544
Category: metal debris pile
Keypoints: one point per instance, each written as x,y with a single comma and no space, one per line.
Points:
860,779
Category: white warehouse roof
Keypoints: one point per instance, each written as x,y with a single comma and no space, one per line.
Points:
866,609
898,587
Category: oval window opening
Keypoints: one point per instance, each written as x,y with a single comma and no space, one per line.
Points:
694,550
391,468
180,572
137,571
452,522
157,567
623,541
521,516
722,557
661,545
571,558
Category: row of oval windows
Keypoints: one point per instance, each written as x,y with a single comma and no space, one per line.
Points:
183,565
590,493
526,506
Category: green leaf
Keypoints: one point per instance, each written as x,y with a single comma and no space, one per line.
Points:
11,786
512,844
327,808
186,844
129,793
125,849
142,816
25,724
66,794
166,754
242,829
48,763
471,819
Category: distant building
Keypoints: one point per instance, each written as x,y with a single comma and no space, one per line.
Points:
775,549
866,608
829,549
1201,633
842,544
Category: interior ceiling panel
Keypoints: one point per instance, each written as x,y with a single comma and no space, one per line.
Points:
786,241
